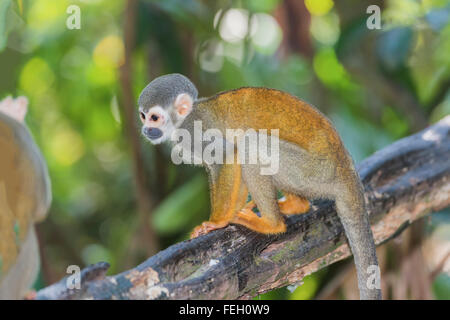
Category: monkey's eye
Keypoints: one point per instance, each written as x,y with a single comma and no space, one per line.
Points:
142,116
154,117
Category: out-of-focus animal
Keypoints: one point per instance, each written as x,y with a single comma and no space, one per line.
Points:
25,197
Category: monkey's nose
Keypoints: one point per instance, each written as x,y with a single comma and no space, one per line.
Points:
152,133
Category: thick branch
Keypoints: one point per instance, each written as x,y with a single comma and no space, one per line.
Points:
403,182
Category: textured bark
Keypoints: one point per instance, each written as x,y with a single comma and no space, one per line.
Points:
403,182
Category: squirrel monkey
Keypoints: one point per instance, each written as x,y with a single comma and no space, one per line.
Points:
313,162
25,197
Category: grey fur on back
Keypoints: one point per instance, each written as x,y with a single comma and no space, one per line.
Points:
163,90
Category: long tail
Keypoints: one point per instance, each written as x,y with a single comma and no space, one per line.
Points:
353,215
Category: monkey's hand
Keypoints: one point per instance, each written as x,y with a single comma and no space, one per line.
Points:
207,227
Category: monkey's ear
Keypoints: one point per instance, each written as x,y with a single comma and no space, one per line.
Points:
15,108
183,105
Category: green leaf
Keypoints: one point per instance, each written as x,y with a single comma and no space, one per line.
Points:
180,208
441,110
307,289
441,287
4,6
262,5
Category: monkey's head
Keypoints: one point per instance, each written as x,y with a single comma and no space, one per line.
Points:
164,104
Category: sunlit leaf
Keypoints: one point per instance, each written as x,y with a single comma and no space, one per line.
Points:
36,77
307,289
66,146
109,52
4,7
442,109
329,69
319,7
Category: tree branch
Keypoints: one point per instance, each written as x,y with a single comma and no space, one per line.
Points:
403,182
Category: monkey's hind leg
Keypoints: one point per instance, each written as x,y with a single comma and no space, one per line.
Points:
290,204
228,195
264,194
293,204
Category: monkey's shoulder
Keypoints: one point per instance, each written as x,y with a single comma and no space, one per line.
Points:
260,100
265,108
262,95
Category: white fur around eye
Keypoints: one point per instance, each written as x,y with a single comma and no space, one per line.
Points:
158,110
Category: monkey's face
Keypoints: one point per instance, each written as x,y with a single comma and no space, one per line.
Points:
160,123
157,124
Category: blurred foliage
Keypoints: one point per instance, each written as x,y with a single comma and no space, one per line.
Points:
72,80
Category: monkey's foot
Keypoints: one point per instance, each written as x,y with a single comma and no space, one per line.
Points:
249,219
207,227
249,206
293,204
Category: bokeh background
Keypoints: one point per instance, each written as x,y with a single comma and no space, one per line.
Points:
119,199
